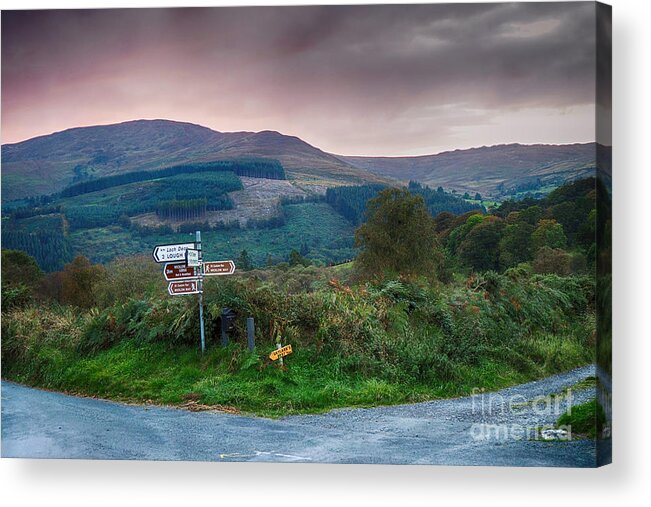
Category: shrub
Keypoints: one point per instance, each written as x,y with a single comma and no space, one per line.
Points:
552,261
17,296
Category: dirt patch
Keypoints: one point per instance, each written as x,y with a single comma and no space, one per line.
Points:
194,406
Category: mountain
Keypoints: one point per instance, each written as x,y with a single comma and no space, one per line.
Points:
49,163
491,170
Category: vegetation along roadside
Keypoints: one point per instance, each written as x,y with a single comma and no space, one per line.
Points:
455,303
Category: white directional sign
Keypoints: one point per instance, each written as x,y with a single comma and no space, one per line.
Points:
170,253
183,287
192,257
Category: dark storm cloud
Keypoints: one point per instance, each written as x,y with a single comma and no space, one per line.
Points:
356,79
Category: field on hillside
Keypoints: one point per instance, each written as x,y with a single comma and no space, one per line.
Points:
497,172
265,215
326,234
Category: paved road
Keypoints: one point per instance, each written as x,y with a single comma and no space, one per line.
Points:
41,424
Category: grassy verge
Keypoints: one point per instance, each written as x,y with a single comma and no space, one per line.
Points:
354,346
233,377
586,420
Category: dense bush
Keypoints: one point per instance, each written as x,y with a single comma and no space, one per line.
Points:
19,269
16,296
557,234
552,260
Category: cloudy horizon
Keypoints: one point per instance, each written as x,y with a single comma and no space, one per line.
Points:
352,80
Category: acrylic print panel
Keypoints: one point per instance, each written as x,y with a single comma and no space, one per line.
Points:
324,234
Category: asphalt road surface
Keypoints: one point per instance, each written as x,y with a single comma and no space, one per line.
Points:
485,429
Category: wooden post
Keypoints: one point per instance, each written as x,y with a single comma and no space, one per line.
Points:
224,321
250,333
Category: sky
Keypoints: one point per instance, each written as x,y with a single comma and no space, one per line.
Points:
351,80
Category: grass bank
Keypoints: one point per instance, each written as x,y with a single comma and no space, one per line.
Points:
587,420
354,346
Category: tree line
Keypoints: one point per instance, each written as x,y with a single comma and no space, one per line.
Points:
174,198
556,235
180,210
50,248
438,201
351,201
255,168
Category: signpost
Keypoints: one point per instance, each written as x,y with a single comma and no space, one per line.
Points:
199,258
185,269
281,352
179,271
183,287
218,268
170,253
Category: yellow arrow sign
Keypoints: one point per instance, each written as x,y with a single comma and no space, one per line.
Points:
278,353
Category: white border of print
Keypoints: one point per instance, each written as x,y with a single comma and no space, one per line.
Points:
106,483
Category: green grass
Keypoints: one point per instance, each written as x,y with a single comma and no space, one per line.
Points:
312,381
586,419
233,377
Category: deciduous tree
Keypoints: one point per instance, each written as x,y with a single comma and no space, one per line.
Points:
548,233
398,237
480,248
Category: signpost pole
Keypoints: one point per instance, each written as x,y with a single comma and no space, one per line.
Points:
280,359
203,338
185,270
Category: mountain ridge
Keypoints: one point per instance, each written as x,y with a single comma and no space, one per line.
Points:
48,163
493,170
